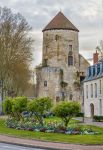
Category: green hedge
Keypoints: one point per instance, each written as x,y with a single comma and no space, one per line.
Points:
98,118
81,114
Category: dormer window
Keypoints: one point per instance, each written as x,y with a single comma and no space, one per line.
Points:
89,71
93,71
98,69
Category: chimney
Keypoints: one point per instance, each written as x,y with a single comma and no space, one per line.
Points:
95,58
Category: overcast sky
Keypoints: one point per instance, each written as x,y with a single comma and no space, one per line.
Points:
86,15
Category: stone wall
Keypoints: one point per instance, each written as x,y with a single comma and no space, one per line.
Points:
56,48
52,76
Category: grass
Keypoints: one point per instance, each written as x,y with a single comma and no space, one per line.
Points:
77,139
59,120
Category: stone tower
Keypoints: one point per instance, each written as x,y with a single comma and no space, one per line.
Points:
62,67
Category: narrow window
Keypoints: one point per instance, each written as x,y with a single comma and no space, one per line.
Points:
70,97
46,49
95,89
57,37
70,47
100,86
57,99
87,91
63,96
45,61
45,83
91,90
70,60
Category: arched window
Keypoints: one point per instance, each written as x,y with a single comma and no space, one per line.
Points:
70,60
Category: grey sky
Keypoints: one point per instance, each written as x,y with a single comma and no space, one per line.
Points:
87,16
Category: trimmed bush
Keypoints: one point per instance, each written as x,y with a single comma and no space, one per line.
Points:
98,118
66,111
40,107
15,106
81,114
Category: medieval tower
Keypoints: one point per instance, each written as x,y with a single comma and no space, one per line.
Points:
62,66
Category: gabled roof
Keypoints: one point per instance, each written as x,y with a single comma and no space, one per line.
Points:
60,22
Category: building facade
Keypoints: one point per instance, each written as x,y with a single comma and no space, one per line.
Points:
62,66
93,90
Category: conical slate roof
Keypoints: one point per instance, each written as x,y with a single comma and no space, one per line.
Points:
60,22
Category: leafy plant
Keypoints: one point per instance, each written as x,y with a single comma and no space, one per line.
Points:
7,106
66,110
18,106
15,106
40,107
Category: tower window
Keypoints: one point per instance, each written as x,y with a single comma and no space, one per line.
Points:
70,60
45,61
45,83
70,47
57,37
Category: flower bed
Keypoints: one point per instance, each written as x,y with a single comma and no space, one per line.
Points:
51,127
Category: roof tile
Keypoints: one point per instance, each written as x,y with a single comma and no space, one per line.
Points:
60,22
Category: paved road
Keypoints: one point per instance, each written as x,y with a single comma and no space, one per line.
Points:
15,147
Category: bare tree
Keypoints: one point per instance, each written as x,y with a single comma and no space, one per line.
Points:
15,49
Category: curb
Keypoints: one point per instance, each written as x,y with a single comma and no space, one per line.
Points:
31,146
42,144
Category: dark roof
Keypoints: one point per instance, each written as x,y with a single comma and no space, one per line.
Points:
60,22
97,69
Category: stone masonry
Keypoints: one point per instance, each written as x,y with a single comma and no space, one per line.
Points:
62,66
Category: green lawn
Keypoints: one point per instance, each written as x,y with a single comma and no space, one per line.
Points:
82,139
59,120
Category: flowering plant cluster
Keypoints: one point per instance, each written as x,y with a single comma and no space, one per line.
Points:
50,127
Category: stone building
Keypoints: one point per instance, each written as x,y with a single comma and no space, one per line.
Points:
62,66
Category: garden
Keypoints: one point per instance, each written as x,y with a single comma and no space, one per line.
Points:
39,119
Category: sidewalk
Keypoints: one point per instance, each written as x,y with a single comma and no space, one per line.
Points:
47,145
89,121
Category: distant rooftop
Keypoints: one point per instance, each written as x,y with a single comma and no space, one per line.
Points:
95,71
60,22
